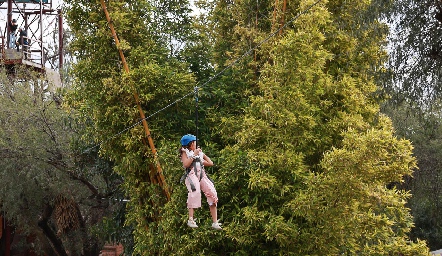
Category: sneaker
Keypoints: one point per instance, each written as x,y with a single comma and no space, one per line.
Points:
192,224
216,226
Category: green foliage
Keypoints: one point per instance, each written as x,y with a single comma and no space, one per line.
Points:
33,132
351,194
37,137
305,157
422,127
413,89
103,93
416,55
310,146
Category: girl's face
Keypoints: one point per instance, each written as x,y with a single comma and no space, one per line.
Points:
192,145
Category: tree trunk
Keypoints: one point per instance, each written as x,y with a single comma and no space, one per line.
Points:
57,244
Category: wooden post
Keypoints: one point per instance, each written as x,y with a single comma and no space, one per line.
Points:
8,20
275,15
284,7
60,41
275,11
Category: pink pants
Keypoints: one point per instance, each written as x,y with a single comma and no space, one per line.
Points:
194,197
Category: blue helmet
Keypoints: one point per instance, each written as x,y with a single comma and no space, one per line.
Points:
186,139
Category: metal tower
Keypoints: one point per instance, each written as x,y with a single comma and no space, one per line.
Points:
38,37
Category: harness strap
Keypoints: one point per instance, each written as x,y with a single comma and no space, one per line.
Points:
194,167
192,186
186,175
203,170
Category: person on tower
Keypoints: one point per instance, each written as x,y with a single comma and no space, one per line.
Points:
12,30
23,41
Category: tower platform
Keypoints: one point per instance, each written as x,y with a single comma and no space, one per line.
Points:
11,57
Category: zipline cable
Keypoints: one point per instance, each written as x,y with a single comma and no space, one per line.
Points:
196,114
210,79
135,124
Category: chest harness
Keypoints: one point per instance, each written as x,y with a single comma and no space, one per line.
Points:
189,169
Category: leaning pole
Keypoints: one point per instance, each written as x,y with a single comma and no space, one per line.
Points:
156,176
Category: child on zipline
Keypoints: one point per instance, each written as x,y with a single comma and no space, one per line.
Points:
194,160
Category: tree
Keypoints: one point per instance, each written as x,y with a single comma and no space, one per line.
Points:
422,127
413,88
103,93
416,54
302,110
307,159
49,193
